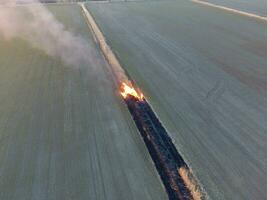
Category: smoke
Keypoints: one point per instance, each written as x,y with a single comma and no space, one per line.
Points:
37,25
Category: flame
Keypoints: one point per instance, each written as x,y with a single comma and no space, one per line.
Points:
129,90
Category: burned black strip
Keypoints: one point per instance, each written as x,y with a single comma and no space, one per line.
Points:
163,152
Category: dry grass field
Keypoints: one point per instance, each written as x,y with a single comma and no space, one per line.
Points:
64,130
204,71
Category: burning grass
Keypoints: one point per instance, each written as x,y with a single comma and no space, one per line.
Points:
127,90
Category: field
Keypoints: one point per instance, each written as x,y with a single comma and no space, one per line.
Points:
258,7
204,71
64,131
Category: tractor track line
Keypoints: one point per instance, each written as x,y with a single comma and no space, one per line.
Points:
231,10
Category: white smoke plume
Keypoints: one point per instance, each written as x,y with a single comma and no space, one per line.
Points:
37,25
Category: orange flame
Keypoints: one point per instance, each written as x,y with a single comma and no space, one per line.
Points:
129,90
